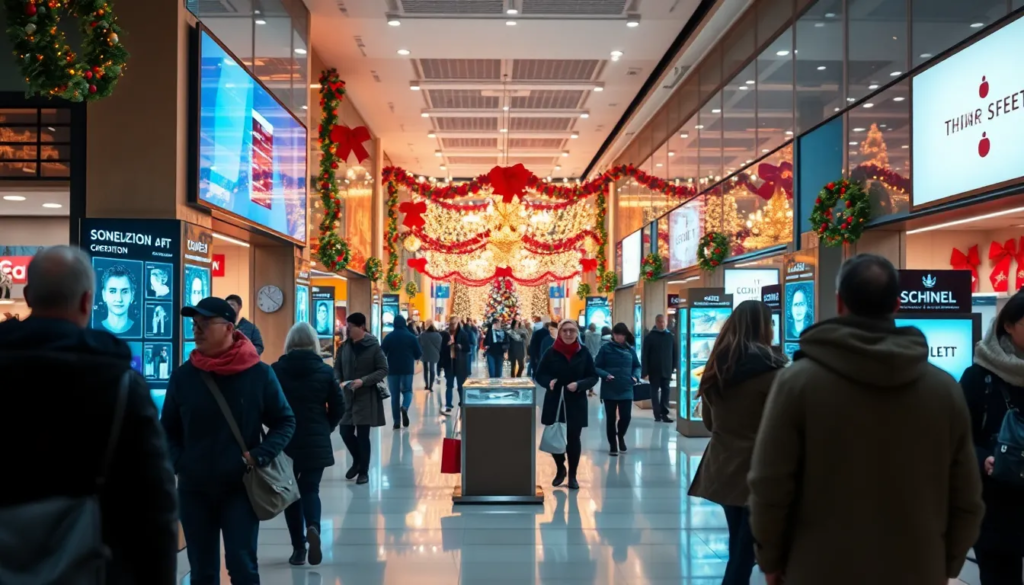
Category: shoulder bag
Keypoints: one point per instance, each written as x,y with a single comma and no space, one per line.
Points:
553,440
272,488
1009,451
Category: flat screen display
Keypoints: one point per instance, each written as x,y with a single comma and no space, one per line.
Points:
252,151
631,246
950,340
744,284
598,312
684,232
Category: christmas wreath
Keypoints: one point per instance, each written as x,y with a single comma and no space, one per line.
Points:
46,61
582,291
650,268
608,282
847,225
394,281
411,289
374,269
711,250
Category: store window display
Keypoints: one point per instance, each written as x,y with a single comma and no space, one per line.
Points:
878,138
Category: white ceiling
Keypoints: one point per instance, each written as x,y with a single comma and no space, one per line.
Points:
461,52
35,196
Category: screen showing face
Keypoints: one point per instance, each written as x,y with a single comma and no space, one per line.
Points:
799,308
120,308
252,151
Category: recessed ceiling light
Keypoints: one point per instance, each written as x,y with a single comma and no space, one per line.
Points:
510,23
898,99
574,135
442,167
431,135
744,88
782,53
305,107
51,128
821,67
394,21
504,108
749,82
699,126
819,24
763,150
895,74
599,88
260,21
858,129
851,99
869,105
52,205
300,51
873,86
438,153
836,110
503,130
716,111
424,115
558,167
658,165
671,153
905,146
414,87
403,52
13,198
632,20
511,11
684,135
565,153
584,115
977,24
830,15
926,55
789,132
854,143
616,54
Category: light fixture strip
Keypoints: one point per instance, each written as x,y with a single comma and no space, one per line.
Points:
229,239
963,221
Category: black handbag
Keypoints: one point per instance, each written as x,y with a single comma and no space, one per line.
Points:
1009,451
641,391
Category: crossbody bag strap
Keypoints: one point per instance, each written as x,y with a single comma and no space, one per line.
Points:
120,405
561,406
224,408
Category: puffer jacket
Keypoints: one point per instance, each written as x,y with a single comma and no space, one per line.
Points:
619,361
316,400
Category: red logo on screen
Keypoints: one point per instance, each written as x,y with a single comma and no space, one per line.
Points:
16,266
984,146
983,89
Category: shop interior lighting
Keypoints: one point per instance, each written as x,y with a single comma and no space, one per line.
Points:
505,108
968,220
873,86
574,135
300,51
231,240
819,25
403,52
599,88
830,15
684,281
503,130
616,55
749,82
510,23
431,135
558,167
414,86
869,105
52,205
977,24
437,153
632,20
565,153
926,55
765,150
260,21
658,165
13,198
716,111
744,88
327,275
822,68
512,11
671,153
393,20
584,115
895,74
684,135
898,99
789,132
425,115
782,53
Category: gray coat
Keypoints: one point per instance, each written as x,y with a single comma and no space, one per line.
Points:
369,364
592,340
430,342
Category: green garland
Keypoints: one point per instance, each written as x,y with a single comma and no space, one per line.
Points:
411,289
712,250
394,277
374,270
651,267
602,231
48,64
582,291
609,280
332,251
847,226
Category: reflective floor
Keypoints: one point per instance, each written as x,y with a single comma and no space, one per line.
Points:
630,523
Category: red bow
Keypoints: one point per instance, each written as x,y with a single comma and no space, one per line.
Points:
413,214
509,182
588,265
502,272
1019,257
1001,255
350,140
417,264
775,177
969,261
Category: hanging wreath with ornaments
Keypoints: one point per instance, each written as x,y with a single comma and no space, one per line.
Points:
48,64
834,228
411,289
650,268
394,281
609,280
711,250
582,291
374,269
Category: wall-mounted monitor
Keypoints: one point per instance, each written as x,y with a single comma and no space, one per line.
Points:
745,284
251,159
631,247
951,339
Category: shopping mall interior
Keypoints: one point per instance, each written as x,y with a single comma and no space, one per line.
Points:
597,161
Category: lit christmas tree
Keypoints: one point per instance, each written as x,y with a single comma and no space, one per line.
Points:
770,225
721,215
873,149
503,302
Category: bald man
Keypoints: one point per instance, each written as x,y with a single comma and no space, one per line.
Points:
65,389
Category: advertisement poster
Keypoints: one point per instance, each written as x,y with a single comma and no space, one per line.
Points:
771,295
252,151
744,284
375,319
442,290
598,312
935,291
197,256
798,301
709,310
950,338
631,258
685,231
389,310
638,325
136,263
323,320
556,291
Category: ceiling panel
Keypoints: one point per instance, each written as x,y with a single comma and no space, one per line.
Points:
535,161
466,143
548,99
536,143
447,69
554,69
575,7
462,99
452,6
472,160
467,124
541,124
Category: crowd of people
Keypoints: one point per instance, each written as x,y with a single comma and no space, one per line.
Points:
859,462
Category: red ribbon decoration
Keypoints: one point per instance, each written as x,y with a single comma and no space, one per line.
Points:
775,177
502,272
588,265
413,214
350,140
509,182
417,264
969,261
1001,255
1019,257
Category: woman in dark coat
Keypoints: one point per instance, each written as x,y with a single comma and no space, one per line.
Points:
734,388
456,345
998,368
619,369
567,369
315,398
517,336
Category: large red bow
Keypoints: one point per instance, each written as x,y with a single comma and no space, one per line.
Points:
417,264
350,140
509,182
1001,255
413,214
1019,257
588,265
775,177
969,261
502,272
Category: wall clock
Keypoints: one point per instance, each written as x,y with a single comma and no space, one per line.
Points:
270,299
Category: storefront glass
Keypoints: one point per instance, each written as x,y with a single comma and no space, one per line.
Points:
739,106
877,47
710,132
775,93
819,63
878,133
35,143
940,24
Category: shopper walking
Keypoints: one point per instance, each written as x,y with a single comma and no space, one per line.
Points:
606,337
660,357
248,329
567,372
204,448
316,400
863,470
592,339
518,336
360,366
474,341
619,370
403,350
994,385
65,387
495,346
430,343
734,388
455,357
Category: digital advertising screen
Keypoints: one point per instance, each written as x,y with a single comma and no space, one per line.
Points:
798,296
951,339
375,320
137,264
197,257
710,308
252,151
631,258
745,284
599,312
323,316
684,232
638,325
771,295
301,303
388,311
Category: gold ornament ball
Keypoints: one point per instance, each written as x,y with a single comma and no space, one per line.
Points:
412,243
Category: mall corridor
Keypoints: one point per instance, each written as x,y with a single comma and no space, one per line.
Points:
631,522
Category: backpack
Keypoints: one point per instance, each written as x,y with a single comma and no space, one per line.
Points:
1009,444
59,540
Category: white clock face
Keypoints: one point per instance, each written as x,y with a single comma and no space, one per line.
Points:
270,299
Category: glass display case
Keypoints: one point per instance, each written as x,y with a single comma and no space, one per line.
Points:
499,392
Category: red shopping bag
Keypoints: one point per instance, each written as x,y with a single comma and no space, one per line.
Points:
451,455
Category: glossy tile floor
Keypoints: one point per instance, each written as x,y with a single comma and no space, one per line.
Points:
630,523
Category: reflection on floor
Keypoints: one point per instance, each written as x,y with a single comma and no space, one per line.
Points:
630,523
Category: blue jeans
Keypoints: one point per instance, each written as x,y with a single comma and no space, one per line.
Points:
741,546
306,511
204,516
400,386
495,363
450,379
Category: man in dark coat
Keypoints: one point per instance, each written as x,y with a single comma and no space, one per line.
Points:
248,328
403,351
61,385
659,360
360,365
495,346
455,352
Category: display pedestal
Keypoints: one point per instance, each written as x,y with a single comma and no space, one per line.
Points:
499,446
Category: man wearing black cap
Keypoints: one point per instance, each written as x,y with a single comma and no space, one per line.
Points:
208,459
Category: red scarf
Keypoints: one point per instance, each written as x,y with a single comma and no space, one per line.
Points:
240,357
566,349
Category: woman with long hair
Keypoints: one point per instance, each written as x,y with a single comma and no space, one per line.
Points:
734,388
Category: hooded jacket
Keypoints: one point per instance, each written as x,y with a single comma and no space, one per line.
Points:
363,360
316,400
402,348
863,470
619,361
60,386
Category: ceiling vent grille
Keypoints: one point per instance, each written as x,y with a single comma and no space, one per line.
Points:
541,124
467,124
452,6
554,69
575,7
534,161
478,69
536,143
467,143
548,99
473,160
462,99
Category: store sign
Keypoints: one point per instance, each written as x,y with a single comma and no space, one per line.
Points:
16,266
442,291
710,298
950,341
556,292
935,291
675,301
218,265
745,284
968,117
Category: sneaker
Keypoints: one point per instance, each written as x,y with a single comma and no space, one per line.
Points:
313,538
559,477
398,426
614,451
622,444
667,419
405,418
298,557
352,471
363,478
446,412
573,484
